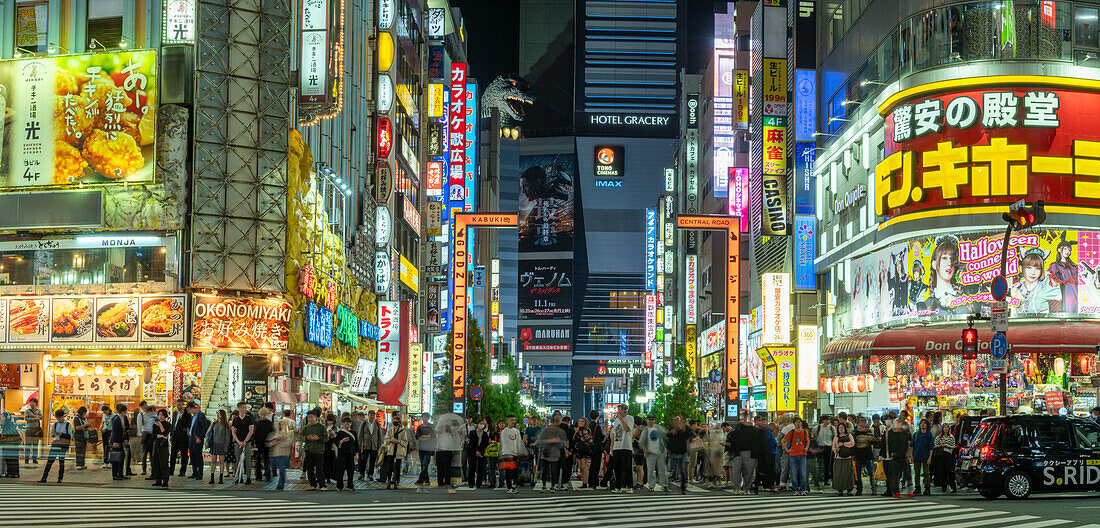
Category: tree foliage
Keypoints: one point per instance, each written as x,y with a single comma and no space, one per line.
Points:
496,400
680,398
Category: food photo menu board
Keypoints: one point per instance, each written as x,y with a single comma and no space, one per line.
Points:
87,320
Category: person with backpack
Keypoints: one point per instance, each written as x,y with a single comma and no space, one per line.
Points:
765,469
61,435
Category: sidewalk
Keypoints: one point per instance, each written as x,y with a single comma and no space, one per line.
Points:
97,475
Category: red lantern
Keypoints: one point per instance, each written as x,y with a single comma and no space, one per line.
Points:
1085,364
1029,367
971,368
850,382
922,368
823,385
861,383
836,385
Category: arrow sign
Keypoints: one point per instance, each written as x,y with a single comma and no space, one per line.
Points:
998,346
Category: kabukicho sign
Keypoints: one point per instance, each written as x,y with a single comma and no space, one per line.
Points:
987,142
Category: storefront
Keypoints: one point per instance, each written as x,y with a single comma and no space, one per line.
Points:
920,368
73,351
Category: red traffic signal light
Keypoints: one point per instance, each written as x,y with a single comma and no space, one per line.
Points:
970,344
1024,216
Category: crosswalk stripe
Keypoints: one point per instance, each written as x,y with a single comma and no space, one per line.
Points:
1041,524
769,514
993,516
928,510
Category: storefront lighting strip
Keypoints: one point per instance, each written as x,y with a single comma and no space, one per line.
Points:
974,83
982,209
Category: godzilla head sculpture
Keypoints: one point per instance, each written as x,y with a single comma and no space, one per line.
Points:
510,93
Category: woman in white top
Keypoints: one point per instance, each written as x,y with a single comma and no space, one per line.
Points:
61,435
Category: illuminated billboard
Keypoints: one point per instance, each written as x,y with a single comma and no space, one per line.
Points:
987,142
546,202
776,289
1048,271
79,119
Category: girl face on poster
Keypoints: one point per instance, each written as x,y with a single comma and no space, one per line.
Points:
1064,252
1033,270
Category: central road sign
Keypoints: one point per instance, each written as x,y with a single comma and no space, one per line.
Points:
999,288
998,346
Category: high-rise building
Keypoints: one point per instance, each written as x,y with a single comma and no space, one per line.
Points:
606,75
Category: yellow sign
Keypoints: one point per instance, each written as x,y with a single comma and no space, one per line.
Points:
416,357
409,275
385,51
786,382
436,99
775,86
692,351
769,385
741,98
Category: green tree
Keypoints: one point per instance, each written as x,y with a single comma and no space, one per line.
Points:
477,371
501,400
678,399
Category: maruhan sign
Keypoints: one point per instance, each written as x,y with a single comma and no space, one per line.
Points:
629,120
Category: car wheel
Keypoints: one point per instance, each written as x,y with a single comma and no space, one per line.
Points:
1017,485
989,493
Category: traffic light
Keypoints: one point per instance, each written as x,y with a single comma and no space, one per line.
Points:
970,343
1023,216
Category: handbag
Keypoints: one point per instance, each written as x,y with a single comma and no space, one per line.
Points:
695,445
117,455
880,473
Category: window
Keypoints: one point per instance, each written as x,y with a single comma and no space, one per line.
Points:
1041,435
1084,27
31,21
1088,435
104,29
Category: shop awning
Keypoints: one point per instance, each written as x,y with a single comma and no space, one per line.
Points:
1054,337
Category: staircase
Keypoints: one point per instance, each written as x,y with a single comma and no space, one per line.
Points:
213,385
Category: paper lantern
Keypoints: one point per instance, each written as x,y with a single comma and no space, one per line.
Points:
99,370
852,386
1029,367
823,385
64,371
114,371
1084,362
971,368
861,383
922,368
870,383
836,385
890,368
80,371
1059,367
948,368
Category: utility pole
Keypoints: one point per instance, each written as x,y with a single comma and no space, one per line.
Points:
1019,216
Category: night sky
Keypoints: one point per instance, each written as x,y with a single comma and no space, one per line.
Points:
493,29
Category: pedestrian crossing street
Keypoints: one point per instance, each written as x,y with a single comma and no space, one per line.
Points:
81,507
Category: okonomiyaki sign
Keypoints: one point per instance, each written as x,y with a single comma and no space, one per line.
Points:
990,140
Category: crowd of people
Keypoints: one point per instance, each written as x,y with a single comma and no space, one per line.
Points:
621,453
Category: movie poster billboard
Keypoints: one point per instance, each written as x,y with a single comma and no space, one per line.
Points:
78,119
1049,272
545,289
546,202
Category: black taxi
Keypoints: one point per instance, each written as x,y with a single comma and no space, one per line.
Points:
1025,454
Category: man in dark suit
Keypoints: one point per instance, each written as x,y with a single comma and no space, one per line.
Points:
597,449
196,434
181,423
119,424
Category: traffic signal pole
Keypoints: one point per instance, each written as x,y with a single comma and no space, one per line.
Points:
1002,389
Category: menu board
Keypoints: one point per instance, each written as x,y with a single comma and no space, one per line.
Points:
87,320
